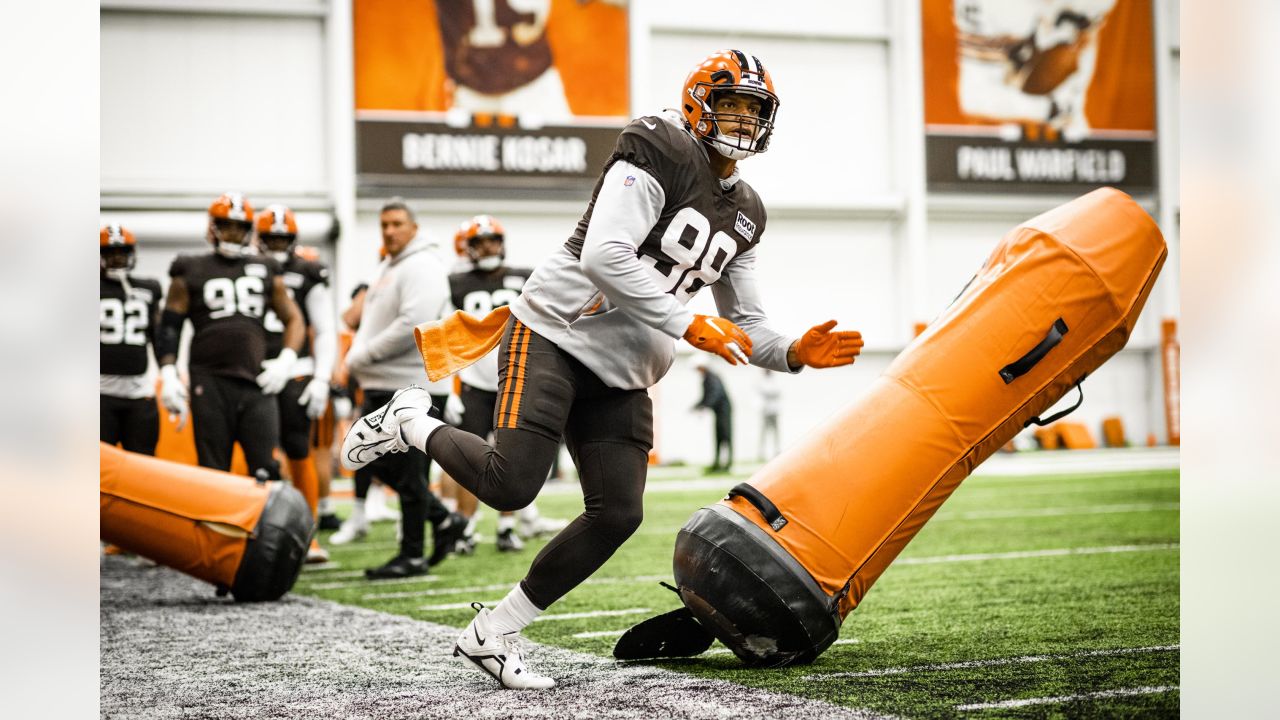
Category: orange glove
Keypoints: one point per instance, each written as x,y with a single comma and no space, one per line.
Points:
719,337
821,348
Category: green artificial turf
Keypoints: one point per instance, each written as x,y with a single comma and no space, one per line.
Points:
1043,626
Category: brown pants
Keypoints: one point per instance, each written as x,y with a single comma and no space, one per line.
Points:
544,395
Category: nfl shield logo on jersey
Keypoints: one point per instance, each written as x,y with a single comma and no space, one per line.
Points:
745,227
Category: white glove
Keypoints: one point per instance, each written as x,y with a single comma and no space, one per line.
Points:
453,409
315,396
277,371
342,407
173,395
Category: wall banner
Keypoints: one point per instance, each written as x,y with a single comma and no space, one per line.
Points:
1045,96
487,94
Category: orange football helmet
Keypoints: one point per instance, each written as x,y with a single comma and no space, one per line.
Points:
230,224
277,231
117,248
730,71
473,234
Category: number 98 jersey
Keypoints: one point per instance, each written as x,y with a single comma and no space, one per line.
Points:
228,300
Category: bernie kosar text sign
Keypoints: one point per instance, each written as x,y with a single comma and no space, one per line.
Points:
477,94
397,153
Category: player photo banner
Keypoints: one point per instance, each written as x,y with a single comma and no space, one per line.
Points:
1039,96
488,93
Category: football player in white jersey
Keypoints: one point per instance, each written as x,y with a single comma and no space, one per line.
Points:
596,326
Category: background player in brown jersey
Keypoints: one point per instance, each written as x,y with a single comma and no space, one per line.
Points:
482,281
225,294
305,396
128,313
595,327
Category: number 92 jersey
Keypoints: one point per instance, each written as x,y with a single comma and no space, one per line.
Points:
228,300
479,293
126,323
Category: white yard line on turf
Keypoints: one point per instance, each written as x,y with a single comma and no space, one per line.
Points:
505,586
1021,554
437,591
1080,461
598,634
991,663
541,618
371,583
1014,513
928,560
727,651
1010,514
973,493
1123,692
592,614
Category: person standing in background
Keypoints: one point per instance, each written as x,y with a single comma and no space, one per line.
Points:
716,399
482,283
413,284
770,406
128,313
305,396
226,294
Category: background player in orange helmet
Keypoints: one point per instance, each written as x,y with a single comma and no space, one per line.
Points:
305,396
226,293
128,313
596,326
482,281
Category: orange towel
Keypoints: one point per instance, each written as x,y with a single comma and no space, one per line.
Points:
455,342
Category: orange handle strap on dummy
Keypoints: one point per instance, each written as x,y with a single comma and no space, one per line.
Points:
458,341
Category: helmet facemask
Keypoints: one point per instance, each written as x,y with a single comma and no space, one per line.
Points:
117,260
231,237
486,261
278,245
735,145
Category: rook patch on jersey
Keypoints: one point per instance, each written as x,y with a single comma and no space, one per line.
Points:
745,227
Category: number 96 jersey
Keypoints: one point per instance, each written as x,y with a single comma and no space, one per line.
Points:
228,300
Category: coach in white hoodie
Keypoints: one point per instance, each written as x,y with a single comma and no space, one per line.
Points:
412,285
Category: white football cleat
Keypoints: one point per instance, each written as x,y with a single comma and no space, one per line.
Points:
540,526
317,554
378,433
498,655
351,530
376,508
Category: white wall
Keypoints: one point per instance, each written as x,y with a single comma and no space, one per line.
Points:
851,234
197,104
